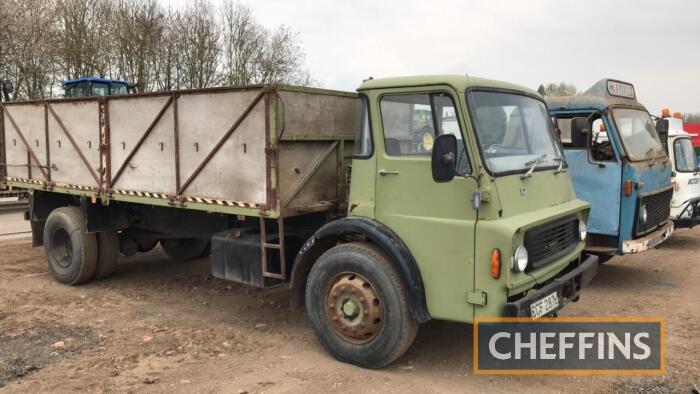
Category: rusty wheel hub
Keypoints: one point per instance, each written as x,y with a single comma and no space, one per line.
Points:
354,308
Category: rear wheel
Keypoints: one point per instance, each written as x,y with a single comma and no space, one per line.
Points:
183,249
107,254
71,253
358,307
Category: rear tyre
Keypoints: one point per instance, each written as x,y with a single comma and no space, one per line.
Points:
107,254
183,249
358,306
71,253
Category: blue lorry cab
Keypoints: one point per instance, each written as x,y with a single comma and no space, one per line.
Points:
618,165
94,86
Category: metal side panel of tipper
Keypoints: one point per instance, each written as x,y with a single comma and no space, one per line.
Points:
203,149
311,134
199,149
52,144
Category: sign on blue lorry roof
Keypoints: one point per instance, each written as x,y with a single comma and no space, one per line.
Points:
603,94
621,89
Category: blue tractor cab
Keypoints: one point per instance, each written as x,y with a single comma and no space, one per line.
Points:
618,164
94,86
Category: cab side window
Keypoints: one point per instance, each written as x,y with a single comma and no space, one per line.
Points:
363,140
409,129
411,123
579,133
600,147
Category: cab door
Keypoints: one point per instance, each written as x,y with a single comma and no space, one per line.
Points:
435,220
594,165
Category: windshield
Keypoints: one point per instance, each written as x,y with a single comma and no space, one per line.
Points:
514,132
638,134
100,89
684,154
119,88
76,89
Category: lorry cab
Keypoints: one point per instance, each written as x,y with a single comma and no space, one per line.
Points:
470,176
685,209
95,86
625,174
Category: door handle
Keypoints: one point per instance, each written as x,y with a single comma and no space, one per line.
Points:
384,172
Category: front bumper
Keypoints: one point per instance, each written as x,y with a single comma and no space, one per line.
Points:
566,286
648,241
684,218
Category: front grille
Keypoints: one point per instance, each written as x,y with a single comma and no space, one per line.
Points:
548,242
658,207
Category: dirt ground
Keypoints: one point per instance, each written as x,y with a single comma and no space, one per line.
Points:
161,326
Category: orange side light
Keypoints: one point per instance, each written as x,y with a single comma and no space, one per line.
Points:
665,113
496,264
677,115
628,188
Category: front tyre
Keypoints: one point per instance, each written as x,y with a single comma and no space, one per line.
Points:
358,307
70,251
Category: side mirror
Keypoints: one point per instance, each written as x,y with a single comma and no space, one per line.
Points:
444,158
8,87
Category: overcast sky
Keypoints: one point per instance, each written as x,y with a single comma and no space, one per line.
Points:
653,44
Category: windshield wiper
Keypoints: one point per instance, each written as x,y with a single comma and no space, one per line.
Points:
534,162
560,169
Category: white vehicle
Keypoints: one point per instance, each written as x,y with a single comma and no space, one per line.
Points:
685,204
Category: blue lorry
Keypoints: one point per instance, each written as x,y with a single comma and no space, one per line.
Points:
96,86
618,164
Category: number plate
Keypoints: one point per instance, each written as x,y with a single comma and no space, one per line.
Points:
656,241
547,304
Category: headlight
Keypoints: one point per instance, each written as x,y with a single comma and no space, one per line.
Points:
582,230
643,214
519,262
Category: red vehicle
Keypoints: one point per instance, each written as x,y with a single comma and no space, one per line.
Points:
694,129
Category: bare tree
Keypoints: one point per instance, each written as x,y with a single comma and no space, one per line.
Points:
283,58
558,89
43,42
691,117
253,54
199,55
167,67
26,36
243,41
83,39
137,30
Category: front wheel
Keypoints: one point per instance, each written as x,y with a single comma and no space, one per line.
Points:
70,251
357,305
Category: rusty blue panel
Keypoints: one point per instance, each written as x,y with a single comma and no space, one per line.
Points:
599,184
646,178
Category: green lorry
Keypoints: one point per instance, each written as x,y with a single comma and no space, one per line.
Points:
416,198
